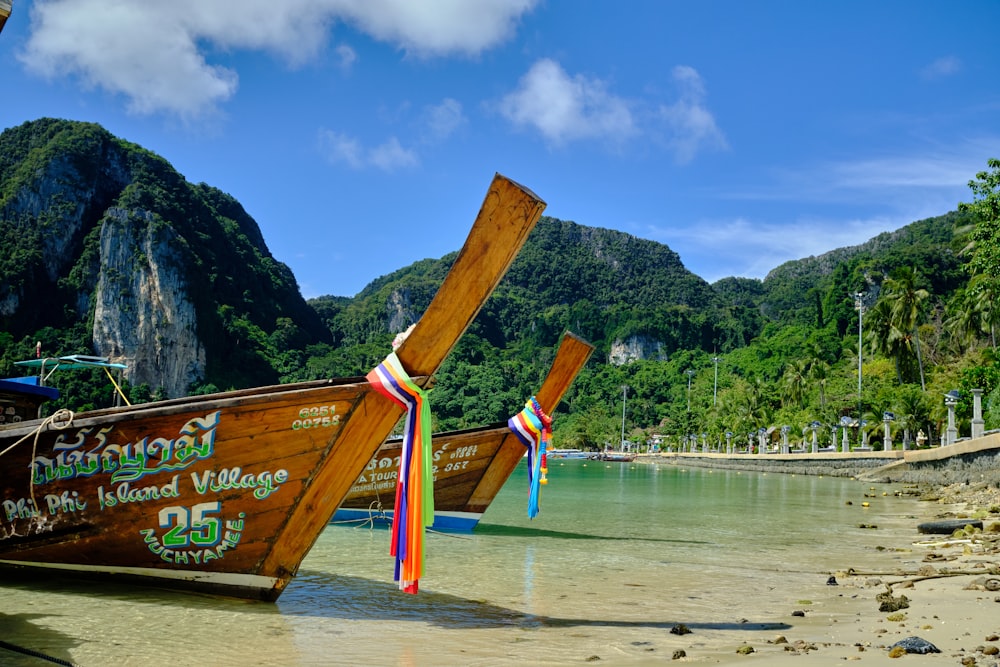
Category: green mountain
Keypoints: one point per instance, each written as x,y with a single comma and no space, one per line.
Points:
112,252
109,251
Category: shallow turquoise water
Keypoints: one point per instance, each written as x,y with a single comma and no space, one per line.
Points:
619,555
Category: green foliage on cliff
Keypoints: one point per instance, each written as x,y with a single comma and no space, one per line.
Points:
735,356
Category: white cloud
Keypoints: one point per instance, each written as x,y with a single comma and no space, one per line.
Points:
941,68
443,119
341,148
564,108
155,53
438,123
435,27
691,126
715,249
390,155
347,56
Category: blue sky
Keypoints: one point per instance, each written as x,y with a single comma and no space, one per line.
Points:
362,134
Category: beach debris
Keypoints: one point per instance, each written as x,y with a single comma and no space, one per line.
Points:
746,649
870,526
990,650
679,653
780,639
888,602
916,645
948,526
680,629
593,658
832,581
799,612
991,584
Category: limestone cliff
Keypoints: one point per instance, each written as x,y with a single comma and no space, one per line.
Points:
109,251
143,316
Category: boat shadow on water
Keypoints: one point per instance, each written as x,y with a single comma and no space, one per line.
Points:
525,531
19,632
321,594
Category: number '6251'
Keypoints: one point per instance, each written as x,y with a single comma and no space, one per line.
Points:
321,416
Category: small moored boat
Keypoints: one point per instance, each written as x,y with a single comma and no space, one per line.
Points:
567,454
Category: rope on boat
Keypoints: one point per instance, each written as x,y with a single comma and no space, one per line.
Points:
59,420
117,387
36,654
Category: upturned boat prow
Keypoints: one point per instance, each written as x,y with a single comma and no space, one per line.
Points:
5,7
225,493
471,465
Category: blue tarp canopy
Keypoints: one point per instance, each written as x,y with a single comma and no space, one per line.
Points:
17,386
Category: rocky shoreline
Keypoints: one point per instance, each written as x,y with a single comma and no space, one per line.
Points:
934,601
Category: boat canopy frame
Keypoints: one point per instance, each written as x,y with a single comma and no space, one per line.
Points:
48,365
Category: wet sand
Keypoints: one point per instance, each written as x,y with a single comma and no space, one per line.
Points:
951,585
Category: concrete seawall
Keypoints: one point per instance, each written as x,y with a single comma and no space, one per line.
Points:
967,461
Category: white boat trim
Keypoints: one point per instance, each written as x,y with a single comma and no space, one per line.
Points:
459,521
248,581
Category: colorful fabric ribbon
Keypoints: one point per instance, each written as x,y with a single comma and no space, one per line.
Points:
534,429
414,508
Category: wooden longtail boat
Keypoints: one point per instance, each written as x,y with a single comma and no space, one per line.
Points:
471,465
5,7
225,493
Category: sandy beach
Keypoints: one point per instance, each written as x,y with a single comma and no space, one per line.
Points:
943,589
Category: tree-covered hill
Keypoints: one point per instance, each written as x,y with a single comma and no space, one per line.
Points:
110,251
107,250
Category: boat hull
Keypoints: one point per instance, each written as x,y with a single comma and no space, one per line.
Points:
182,493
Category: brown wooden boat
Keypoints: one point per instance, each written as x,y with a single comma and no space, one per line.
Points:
5,7
224,493
471,465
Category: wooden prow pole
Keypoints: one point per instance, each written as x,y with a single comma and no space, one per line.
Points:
508,214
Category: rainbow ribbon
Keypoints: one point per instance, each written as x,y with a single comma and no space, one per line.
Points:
414,508
534,429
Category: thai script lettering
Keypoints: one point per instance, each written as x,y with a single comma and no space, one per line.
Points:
85,455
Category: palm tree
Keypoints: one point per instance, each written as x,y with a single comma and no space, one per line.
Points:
911,410
906,307
794,382
819,371
985,297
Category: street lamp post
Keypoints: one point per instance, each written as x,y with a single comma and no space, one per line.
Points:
715,388
860,305
690,374
624,394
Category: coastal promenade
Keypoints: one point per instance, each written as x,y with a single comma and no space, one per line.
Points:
967,461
